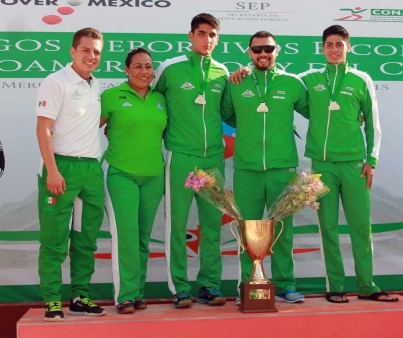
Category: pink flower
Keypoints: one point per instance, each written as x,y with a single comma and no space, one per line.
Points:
315,205
318,187
304,175
188,183
229,192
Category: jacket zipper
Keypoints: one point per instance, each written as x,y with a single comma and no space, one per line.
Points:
204,122
264,125
328,114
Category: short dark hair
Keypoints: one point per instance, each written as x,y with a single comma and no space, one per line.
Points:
336,30
133,52
204,18
261,34
87,32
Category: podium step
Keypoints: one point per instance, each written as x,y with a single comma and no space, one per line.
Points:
314,318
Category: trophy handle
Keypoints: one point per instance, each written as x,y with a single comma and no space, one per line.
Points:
282,227
238,239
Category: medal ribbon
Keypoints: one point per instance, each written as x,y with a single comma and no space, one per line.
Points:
202,88
263,98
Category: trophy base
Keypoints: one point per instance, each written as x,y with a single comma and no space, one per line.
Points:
257,298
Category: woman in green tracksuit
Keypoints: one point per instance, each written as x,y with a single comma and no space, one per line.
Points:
265,155
338,95
136,116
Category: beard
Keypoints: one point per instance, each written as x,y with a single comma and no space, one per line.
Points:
269,65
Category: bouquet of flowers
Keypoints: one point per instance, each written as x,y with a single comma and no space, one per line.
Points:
210,185
303,190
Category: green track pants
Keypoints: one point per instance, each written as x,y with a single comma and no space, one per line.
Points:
131,203
344,181
253,190
178,201
84,192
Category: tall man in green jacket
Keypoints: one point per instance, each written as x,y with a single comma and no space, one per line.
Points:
338,95
193,85
266,157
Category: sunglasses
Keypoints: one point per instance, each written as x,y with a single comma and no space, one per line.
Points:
267,49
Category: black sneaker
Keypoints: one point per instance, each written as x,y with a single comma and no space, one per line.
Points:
183,299
53,312
85,307
125,308
140,304
211,296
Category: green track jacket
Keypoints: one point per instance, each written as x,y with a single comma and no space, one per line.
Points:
193,128
265,140
336,135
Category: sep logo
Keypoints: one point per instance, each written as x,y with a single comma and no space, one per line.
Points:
252,5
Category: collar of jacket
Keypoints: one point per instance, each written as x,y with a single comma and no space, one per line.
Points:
341,67
262,73
196,57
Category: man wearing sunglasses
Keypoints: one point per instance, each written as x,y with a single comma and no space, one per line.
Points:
265,159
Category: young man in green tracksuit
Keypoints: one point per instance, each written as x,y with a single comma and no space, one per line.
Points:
70,177
193,85
338,95
265,155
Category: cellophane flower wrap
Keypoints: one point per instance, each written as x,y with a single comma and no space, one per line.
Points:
303,190
210,185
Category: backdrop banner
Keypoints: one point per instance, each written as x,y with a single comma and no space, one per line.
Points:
35,37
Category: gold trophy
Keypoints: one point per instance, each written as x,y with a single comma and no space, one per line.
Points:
256,237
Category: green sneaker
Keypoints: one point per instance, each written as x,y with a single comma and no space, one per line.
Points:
53,312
